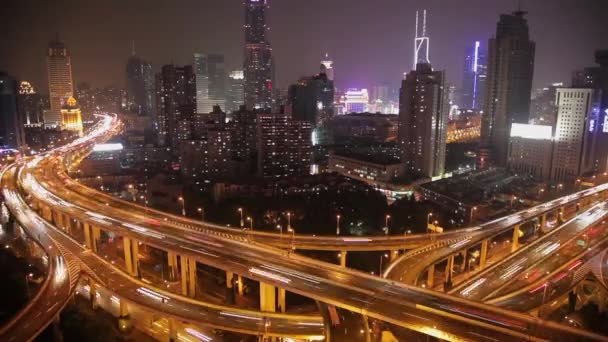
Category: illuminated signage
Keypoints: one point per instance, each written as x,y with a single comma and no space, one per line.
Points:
107,147
537,132
591,125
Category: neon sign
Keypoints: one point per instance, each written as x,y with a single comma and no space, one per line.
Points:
605,129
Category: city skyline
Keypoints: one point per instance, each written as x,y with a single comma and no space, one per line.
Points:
355,66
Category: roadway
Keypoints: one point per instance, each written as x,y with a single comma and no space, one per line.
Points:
418,309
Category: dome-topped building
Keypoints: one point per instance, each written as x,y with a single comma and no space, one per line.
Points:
71,117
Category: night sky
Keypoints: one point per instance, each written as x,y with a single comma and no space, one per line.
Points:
371,42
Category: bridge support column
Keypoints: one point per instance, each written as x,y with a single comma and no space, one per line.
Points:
268,300
560,215
515,242
240,286
543,223
601,300
131,250
124,321
430,277
483,255
88,240
96,238
463,265
93,296
448,273
393,255
173,265
56,219
343,258
282,300
188,275
172,330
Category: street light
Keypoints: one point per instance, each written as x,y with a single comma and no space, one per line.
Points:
386,218
250,220
280,229
202,212
405,238
181,200
513,199
472,211
428,220
338,225
288,220
542,304
293,238
382,258
240,210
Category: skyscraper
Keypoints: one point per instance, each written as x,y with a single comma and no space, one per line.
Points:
474,77
61,88
508,86
11,128
577,133
140,86
258,64
30,104
423,115
236,95
71,117
327,67
176,94
210,82
421,41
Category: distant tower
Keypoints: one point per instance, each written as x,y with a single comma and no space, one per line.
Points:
140,85
474,77
258,65
327,67
61,88
421,43
71,117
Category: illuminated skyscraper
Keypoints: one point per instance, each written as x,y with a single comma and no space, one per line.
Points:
423,114
11,128
30,105
474,77
71,117
508,86
210,82
61,88
421,41
327,67
258,65
176,93
235,95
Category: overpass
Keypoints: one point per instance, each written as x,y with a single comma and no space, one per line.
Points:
410,307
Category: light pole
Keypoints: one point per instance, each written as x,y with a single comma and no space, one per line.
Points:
202,212
240,210
472,211
250,220
542,304
381,259
386,218
338,225
513,199
181,200
540,193
428,220
132,191
280,229
288,220
293,238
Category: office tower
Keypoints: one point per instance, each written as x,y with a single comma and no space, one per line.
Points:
508,86
327,67
423,114
531,150
140,86
577,133
11,127
423,122
258,64
542,105
356,100
474,77
176,93
236,94
244,125
284,146
30,105
312,100
210,82
59,67
597,78
71,117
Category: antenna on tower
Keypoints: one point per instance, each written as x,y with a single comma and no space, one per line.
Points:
421,42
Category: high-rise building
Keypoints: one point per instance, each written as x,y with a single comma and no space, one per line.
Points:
11,127
327,67
258,64
236,95
577,133
210,82
542,105
30,105
176,93
61,88
474,77
531,150
597,78
284,146
423,122
423,114
421,41
140,86
508,86
356,100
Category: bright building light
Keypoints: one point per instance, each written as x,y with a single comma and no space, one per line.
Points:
107,147
538,132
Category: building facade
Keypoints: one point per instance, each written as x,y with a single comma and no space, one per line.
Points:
210,82
531,150
61,87
11,127
258,63
235,93
474,77
508,86
140,86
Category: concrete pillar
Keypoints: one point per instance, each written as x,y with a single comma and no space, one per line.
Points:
543,223
463,265
560,215
343,258
268,301
96,238
515,242
93,296
282,300
184,274
59,220
131,250
430,278
448,273
124,321
483,255
172,329
229,279
240,285
393,255
188,276
173,265
88,239
124,308
68,223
